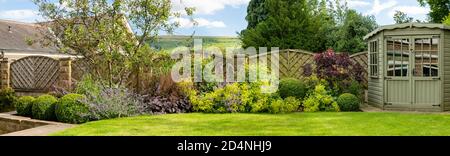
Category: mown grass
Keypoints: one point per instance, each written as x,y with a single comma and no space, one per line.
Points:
296,124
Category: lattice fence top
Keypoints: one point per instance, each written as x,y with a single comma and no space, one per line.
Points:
293,61
362,60
34,73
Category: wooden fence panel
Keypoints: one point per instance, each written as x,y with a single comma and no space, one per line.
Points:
362,60
292,63
34,73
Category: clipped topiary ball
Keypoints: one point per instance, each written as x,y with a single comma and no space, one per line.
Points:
348,102
71,110
44,108
292,87
24,104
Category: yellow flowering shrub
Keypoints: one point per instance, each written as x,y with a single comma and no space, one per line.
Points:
320,100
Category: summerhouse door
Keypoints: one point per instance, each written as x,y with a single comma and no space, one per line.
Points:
426,74
412,73
398,73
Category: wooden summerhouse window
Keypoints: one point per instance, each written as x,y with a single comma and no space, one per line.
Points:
398,53
373,55
426,57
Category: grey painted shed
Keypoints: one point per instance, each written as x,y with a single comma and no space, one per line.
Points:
409,67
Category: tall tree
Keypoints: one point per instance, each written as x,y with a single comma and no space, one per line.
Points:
401,17
325,21
256,13
98,30
288,25
439,9
316,26
350,34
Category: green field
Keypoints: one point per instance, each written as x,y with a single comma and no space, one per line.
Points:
296,124
169,43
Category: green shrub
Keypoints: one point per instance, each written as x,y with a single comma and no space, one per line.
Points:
356,89
24,104
223,100
290,104
70,109
320,100
292,87
44,107
348,102
311,83
275,106
232,98
7,99
87,85
261,105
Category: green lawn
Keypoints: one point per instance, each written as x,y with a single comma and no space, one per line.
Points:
297,124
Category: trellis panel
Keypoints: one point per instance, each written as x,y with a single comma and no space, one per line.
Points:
34,73
362,60
292,62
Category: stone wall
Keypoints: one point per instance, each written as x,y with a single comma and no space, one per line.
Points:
9,124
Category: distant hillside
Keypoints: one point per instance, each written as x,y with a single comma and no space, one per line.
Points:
170,42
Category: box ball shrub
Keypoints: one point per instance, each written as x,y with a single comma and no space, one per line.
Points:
70,109
7,99
24,104
291,87
44,107
348,102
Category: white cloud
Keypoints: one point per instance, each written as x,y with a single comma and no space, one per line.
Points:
416,12
201,22
23,15
377,7
206,7
410,10
210,24
357,3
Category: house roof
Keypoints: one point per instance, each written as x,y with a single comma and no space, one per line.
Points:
15,37
407,25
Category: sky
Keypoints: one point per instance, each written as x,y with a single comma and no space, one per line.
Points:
227,17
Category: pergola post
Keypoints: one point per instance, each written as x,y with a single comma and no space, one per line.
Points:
65,73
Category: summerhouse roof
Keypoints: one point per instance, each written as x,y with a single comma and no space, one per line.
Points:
407,25
16,37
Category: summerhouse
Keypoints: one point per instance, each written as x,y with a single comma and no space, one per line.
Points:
409,67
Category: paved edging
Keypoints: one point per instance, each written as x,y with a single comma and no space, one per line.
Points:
368,108
44,128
